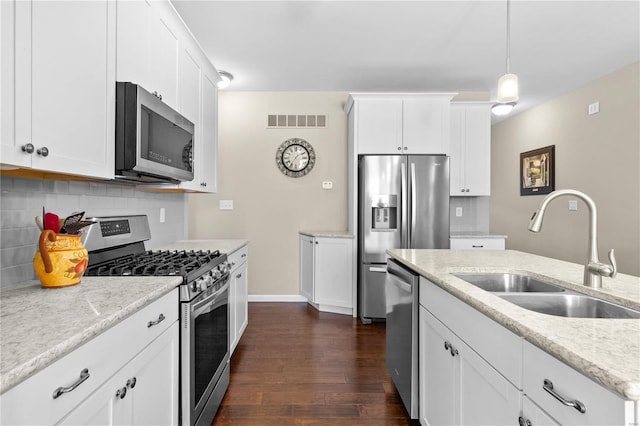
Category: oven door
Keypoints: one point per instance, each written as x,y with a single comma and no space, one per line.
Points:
205,349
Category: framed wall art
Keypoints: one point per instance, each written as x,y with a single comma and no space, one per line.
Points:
537,171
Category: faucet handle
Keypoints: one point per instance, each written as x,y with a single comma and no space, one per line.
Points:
614,266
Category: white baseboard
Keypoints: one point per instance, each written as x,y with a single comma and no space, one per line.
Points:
277,298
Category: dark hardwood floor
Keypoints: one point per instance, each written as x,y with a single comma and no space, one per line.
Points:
297,366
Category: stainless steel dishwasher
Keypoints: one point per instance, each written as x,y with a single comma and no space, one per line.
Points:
401,290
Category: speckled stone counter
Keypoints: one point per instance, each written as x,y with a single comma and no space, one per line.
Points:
327,234
225,246
606,350
39,326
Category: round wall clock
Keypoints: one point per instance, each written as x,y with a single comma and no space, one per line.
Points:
295,157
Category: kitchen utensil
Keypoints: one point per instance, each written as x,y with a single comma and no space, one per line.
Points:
70,220
74,228
51,221
61,260
40,223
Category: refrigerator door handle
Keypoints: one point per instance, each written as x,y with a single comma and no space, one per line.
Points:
403,203
381,269
412,229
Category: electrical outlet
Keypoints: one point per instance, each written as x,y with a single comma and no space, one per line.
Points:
226,204
458,211
573,205
327,184
162,215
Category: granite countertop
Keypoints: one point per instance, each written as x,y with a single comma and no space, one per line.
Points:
475,234
606,350
38,326
327,234
225,246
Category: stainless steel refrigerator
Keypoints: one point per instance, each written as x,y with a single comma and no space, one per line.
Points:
403,202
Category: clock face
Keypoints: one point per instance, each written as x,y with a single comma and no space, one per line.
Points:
295,157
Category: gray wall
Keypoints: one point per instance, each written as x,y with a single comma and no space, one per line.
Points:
22,199
596,154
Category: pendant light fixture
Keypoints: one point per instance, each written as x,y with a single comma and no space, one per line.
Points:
508,83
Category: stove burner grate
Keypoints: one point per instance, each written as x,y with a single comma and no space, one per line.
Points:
155,263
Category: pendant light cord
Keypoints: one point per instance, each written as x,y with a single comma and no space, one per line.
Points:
508,36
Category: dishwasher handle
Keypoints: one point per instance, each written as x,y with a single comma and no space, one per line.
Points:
398,282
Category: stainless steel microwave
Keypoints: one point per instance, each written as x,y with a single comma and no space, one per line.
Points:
154,143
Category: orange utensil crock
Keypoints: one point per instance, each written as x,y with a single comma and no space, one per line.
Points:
61,259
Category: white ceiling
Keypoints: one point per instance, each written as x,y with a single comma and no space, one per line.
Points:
382,46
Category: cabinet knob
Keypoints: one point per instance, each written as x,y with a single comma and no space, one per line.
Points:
399,148
28,148
405,148
524,422
131,382
462,190
160,96
121,393
44,151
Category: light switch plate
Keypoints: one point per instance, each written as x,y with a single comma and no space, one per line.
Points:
458,211
162,214
327,184
226,204
573,205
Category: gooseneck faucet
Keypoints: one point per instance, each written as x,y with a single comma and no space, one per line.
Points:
593,270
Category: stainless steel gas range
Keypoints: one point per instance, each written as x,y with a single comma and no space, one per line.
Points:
116,248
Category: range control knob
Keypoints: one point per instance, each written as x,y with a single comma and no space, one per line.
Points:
201,284
216,274
208,280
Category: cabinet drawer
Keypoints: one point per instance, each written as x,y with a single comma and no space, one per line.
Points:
603,407
498,346
238,257
477,243
102,357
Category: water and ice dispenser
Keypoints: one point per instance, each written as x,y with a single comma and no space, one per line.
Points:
384,212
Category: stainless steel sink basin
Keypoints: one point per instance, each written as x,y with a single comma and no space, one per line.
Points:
570,305
508,283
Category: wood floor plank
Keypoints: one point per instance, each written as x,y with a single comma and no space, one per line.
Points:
297,366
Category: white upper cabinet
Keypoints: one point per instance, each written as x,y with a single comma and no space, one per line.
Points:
149,47
63,115
470,149
400,123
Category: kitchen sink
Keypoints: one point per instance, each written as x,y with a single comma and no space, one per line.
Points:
570,305
508,283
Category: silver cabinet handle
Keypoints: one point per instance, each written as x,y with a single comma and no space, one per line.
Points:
239,276
245,254
44,151
473,246
121,393
84,375
156,322
548,386
131,383
382,269
28,148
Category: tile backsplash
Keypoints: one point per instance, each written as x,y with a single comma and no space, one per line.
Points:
22,199
475,214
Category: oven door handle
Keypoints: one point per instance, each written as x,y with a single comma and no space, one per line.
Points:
207,305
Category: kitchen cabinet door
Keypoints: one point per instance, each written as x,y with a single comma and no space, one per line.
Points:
333,272
438,369
470,149
240,283
208,163
379,126
64,91
425,125
149,47
532,415
306,267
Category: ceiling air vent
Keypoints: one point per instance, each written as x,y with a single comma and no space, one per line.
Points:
281,121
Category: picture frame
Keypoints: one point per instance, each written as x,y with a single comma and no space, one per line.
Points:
537,171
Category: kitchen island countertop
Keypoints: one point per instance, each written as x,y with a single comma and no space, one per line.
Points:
40,325
606,350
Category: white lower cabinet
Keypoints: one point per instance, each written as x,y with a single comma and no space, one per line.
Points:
532,415
238,295
144,392
82,387
458,387
326,273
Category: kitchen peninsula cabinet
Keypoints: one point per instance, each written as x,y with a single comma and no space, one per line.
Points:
400,123
58,91
470,164
457,384
238,295
131,376
326,271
